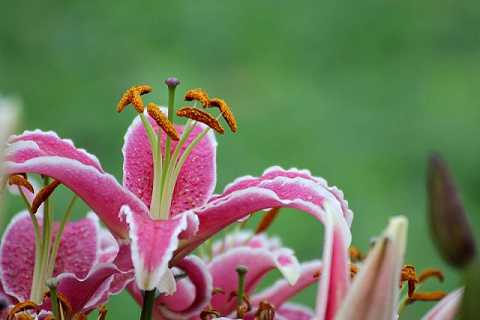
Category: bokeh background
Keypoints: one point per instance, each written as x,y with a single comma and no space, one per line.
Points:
359,92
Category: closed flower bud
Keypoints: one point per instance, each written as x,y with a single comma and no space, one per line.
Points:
448,221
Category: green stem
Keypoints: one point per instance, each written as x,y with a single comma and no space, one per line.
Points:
147,308
58,237
54,299
38,242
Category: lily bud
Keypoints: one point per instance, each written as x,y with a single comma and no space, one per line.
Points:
448,221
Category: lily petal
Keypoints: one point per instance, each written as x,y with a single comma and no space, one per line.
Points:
277,171
375,289
77,253
197,178
297,193
153,243
282,291
192,295
87,293
446,309
259,262
50,144
100,191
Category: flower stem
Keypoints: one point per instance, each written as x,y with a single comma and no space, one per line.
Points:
147,308
51,283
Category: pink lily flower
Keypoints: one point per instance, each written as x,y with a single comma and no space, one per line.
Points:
166,226
86,264
373,293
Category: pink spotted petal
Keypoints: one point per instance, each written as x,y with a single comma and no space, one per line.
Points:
297,193
103,281
153,243
292,311
201,280
282,291
77,253
49,144
375,290
259,262
275,172
447,308
99,190
196,180
79,247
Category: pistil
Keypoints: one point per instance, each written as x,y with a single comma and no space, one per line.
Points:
167,163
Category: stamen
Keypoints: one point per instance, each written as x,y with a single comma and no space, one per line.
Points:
431,273
132,96
266,311
102,313
21,307
209,313
267,220
226,112
353,270
427,296
43,195
217,290
20,181
162,120
197,95
355,254
201,116
408,274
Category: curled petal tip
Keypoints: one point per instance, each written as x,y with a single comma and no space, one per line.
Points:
448,220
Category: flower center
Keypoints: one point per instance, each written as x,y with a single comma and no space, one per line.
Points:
167,163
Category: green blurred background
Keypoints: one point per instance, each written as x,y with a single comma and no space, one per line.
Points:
359,92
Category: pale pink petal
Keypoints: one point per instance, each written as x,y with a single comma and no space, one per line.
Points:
447,308
292,311
297,193
196,180
259,262
99,190
275,172
282,291
153,243
245,238
335,278
50,144
375,290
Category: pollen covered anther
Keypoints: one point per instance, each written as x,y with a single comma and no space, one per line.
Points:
225,111
201,116
430,273
197,95
409,274
133,96
209,313
355,254
267,220
162,121
43,195
21,307
20,181
265,311
427,296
